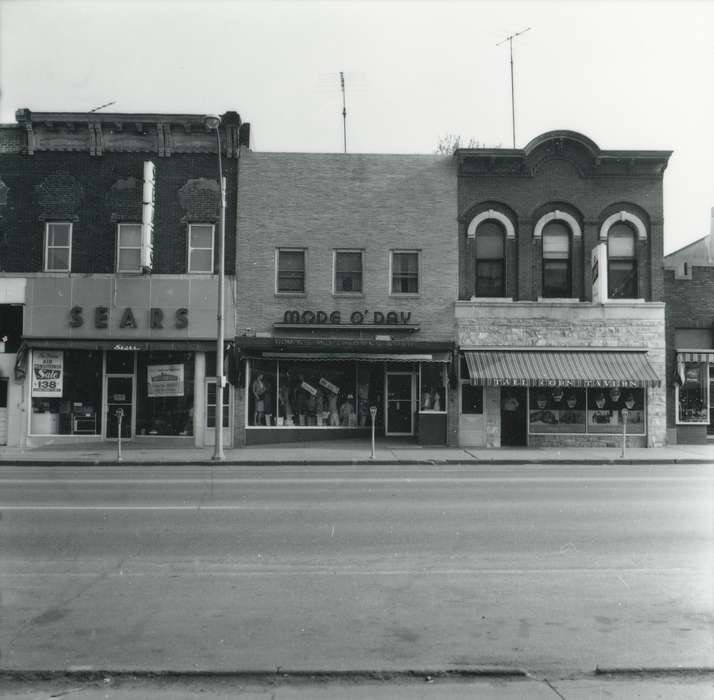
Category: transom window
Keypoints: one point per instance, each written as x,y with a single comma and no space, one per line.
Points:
556,260
129,247
405,272
58,247
621,262
200,248
490,263
348,271
291,271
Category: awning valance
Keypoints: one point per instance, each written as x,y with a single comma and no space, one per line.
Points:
560,368
359,356
695,356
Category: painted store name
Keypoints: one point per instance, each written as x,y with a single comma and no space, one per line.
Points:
588,383
378,318
100,317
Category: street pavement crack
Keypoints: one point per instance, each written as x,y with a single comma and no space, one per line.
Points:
553,688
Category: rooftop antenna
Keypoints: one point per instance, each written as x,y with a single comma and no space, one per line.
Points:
510,39
344,111
108,104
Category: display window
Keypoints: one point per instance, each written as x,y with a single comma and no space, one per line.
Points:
304,394
578,410
164,393
557,410
432,394
693,393
471,399
66,392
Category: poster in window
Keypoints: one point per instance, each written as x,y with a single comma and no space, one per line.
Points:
164,380
47,372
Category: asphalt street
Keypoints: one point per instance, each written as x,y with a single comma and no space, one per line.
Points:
552,569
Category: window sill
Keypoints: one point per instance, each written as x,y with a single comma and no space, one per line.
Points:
405,295
351,295
283,295
556,300
491,300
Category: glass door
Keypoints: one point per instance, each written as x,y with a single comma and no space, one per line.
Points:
211,395
120,396
400,403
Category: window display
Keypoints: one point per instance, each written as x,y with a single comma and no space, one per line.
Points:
66,392
314,394
433,387
693,395
577,410
164,389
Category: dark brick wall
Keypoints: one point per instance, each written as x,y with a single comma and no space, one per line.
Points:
97,192
689,304
559,184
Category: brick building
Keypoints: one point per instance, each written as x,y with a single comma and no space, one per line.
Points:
689,293
346,283
560,317
108,262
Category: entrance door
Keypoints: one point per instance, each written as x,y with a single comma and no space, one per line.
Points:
3,411
210,429
120,395
513,417
400,403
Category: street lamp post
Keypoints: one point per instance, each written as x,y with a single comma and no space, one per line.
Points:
214,122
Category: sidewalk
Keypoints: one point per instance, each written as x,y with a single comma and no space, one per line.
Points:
675,686
351,452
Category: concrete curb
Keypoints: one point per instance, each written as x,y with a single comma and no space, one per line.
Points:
33,462
279,675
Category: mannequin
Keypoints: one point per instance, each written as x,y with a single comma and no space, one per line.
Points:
258,395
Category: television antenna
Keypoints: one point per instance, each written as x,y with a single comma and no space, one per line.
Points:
108,104
344,112
510,39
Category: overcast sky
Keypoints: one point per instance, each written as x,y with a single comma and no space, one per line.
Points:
626,74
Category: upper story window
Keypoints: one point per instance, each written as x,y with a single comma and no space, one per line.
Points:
404,267
621,262
129,248
290,271
490,260
556,260
58,247
200,248
348,271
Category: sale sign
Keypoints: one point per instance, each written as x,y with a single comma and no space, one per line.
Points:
47,371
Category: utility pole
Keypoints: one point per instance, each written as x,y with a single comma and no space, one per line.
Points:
344,111
510,39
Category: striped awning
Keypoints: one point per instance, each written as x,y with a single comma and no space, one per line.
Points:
560,368
361,356
695,356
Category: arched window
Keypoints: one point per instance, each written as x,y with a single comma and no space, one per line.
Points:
490,260
621,262
556,260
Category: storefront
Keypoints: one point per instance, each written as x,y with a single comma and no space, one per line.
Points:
572,374
694,394
552,396
298,390
93,372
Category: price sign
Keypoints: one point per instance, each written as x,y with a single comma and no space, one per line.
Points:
47,371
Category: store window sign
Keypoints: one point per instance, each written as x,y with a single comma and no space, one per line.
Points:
47,373
165,380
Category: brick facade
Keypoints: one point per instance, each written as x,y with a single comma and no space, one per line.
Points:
561,176
689,293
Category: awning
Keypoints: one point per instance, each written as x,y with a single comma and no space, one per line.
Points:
560,368
126,345
362,357
695,356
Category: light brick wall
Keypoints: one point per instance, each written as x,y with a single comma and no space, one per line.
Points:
321,202
576,325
